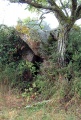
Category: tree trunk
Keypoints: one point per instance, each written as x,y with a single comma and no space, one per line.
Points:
62,43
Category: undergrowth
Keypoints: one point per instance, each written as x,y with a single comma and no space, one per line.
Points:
50,82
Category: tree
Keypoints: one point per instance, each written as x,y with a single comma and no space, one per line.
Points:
66,12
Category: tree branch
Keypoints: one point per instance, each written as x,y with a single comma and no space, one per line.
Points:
78,12
74,7
36,5
43,13
64,8
54,8
42,17
52,3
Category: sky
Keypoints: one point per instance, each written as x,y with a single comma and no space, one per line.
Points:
11,12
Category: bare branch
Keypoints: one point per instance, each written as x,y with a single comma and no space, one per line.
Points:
42,17
64,8
43,13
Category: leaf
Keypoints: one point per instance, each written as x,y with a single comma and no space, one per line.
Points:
30,89
34,85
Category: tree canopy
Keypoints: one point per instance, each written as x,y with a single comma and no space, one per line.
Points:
64,10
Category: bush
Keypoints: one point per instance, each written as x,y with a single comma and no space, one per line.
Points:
73,53
8,41
45,87
12,71
14,74
71,71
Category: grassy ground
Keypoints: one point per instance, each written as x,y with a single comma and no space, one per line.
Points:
14,107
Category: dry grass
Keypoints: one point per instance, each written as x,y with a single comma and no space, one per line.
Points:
10,99
12,107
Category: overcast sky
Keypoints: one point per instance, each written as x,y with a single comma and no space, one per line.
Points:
11,12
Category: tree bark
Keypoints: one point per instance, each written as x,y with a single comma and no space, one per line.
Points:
62,44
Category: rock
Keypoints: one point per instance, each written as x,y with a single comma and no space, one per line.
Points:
23,51
54,34
34,45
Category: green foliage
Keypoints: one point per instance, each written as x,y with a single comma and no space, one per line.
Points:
34,23
33,9
73,53
46,81
8,41
11,71
12,74
71,73
76,88
31,67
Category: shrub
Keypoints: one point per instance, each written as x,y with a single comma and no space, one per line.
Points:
71,71
12,70
45,87
8,41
